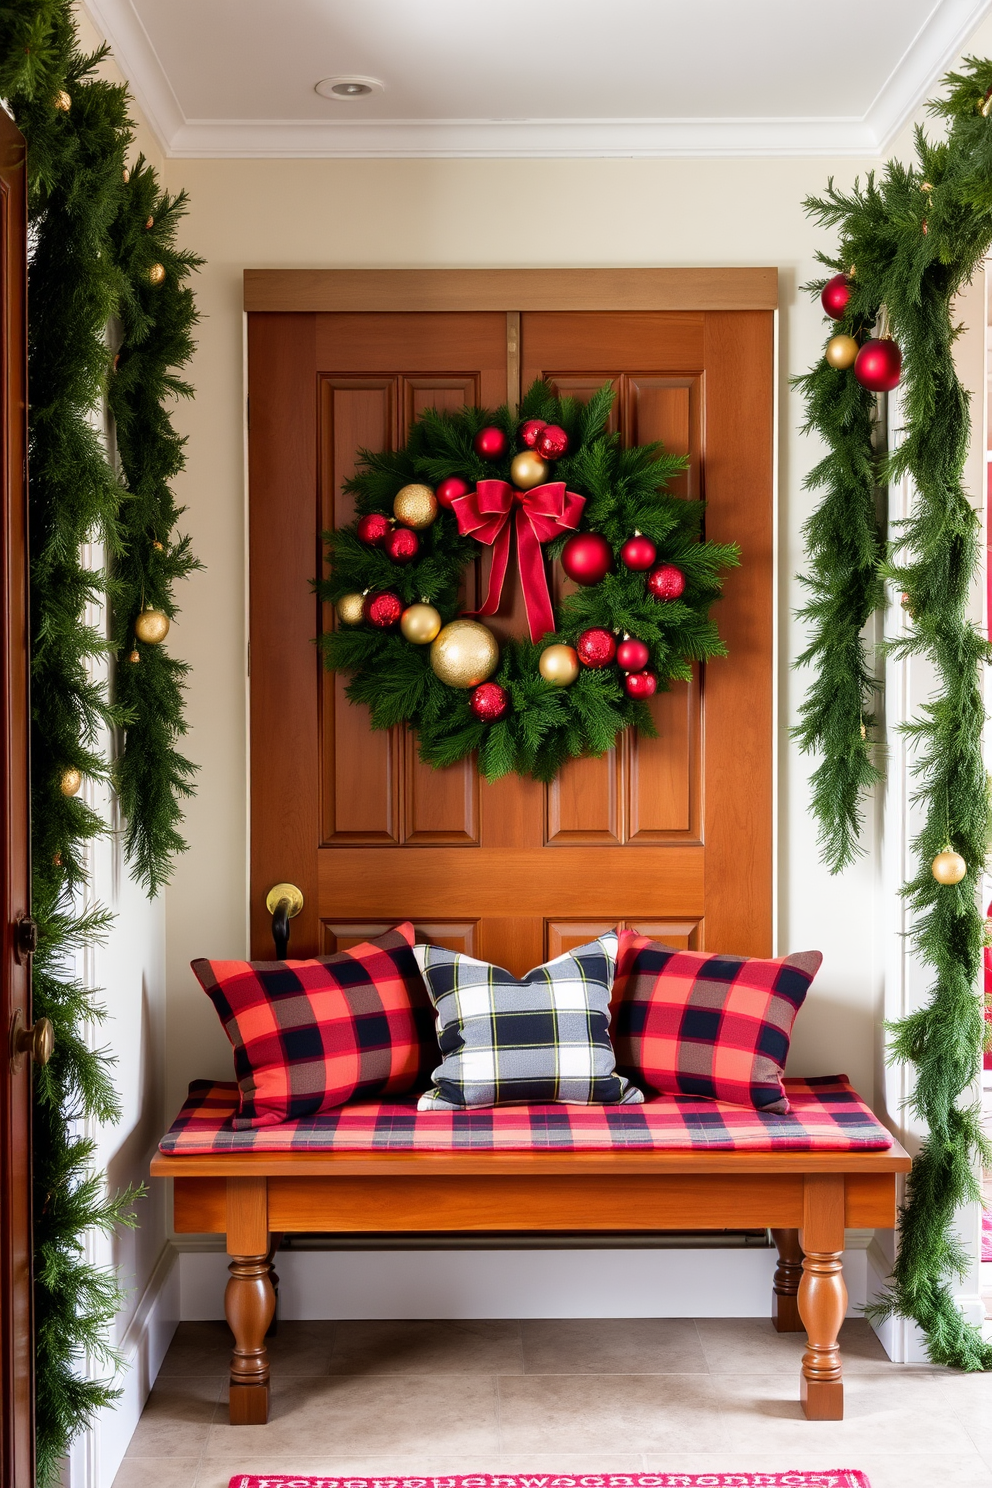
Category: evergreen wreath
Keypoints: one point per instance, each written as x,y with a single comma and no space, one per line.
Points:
909,241
532,725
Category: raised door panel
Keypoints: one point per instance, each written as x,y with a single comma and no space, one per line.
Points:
454,935
663,774
584,802
439,806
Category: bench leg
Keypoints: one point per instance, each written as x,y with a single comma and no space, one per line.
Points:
249,1303
785,1288
823,1296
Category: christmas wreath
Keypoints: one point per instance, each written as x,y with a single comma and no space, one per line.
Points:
552,482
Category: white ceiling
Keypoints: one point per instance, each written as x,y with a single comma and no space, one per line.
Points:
534,77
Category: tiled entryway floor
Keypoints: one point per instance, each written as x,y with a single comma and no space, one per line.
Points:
459,1397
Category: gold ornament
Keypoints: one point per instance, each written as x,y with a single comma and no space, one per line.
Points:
63,102
156,273
864,731
70,782
125,175
528,470
841,352
134,657
149,224
159,547
351,608
949,867
152,626
420,624
464,653
559,665
415,506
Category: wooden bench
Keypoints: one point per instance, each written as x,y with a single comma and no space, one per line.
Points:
805,1198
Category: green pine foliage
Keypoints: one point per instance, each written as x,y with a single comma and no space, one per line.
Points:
915,235
545,725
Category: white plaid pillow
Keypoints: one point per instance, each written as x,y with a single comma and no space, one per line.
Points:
543,1038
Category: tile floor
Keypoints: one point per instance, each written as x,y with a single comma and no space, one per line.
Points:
595,1395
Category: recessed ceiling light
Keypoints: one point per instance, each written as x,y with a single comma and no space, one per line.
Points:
343,89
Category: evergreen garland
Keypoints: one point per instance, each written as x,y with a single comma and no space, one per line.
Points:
913,236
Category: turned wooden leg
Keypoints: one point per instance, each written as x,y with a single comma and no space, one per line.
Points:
823,1296
785,1287
249,1301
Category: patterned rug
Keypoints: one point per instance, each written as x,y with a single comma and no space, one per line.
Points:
842,1477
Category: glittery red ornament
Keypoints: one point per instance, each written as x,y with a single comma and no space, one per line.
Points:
587,558
641,684
666,582
638,552
878,365
383,610
373,528
632,655
402,545
491,443
596,647
530,430
836,293
449,490
551,442
489,701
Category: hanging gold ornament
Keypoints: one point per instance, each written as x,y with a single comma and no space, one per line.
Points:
134,657
949,867
63,101
528,470
156,273
841,352
559,665
149,224
420,624
152,626
415,506
864,731
159,547
70,782
464,653
125,175
351,609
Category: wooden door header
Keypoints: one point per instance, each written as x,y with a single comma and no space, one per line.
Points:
363,290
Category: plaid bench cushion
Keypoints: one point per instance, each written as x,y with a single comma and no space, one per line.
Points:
826,1116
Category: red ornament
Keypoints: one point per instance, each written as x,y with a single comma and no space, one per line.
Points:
638,552
552,442
587,558
666,582
596,647
641,684
632,655
383,610
530,430
373,528
402,545
489,701
491,443
878,365
836,293
449,490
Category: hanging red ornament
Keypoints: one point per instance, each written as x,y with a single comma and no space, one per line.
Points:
373,529
632,655
401,545
638,552
641,684
551,442
587,558
666,582
491,443
489,702
449,490
596,647
878,365
836,293
529,430
383,610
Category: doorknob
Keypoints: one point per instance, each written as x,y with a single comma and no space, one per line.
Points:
284,902
37,1042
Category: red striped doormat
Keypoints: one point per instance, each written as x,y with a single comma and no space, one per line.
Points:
843,1477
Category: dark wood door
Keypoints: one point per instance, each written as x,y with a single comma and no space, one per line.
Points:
16,1350
671,835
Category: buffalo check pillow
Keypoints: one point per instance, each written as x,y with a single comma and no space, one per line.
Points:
310,1035
540,1038
689,1023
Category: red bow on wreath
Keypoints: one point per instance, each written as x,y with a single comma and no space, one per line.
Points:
542,514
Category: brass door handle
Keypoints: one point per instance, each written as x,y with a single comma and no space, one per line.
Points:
37,1042
284,902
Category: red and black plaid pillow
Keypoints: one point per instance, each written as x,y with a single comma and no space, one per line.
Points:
310,1035
689,1023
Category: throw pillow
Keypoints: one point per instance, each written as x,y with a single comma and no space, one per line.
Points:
690,1023
310,1035
540,1038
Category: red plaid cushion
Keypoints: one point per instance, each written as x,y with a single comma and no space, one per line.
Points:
310,1035
688,1023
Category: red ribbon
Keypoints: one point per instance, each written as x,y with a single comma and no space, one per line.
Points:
542,514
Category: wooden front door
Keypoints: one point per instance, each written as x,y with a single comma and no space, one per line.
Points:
671,835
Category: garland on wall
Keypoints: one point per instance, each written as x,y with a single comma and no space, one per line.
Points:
102,245
546,480
910,239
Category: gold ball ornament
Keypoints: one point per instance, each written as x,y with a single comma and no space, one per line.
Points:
159,547
464,653
420,624
125,175
949,867
134,657
156,274
415,506
351,609
152,626
559,665
841,352
528,470
70,782
63,101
